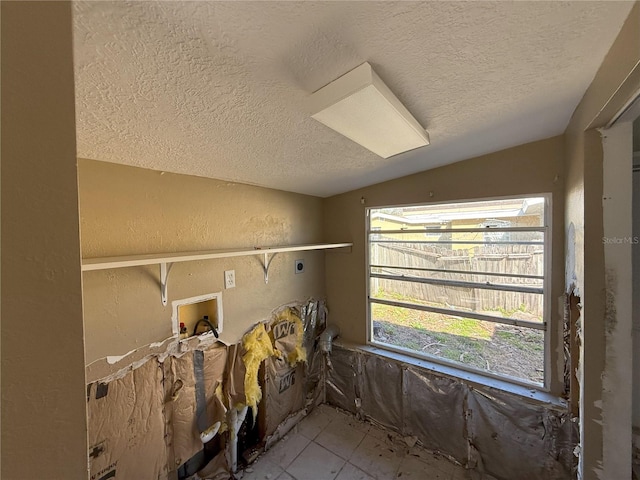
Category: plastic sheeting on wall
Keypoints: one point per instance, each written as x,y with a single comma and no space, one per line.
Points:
488,430
292,377
342,380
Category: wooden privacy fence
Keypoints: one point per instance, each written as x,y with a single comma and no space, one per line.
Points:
507,259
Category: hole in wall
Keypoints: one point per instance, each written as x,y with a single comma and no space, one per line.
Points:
572,352
249,444
188,312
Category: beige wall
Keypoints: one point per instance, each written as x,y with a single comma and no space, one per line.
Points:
528,169
44,425
617,79
126,210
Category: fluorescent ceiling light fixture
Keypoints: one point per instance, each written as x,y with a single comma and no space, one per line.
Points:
363,109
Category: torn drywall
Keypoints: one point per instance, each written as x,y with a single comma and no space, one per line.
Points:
493,432
188,403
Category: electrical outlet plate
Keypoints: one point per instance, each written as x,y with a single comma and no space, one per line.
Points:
229,279
299,266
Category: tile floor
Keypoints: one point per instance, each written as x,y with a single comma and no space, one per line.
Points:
331,445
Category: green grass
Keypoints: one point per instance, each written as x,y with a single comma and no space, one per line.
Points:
508,336
523,340
486,345
426,322
467,327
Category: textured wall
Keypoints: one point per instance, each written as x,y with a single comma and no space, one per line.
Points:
529,169
44,423
127,210
636,290
617,79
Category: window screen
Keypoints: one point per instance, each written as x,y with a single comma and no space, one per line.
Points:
463,283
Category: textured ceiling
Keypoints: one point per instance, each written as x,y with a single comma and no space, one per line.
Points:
220,89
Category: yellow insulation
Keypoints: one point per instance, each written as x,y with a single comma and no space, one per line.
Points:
298,353
257,346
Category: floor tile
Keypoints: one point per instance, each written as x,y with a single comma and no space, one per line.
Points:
348,419
327,410
413,468
340,438
315,463
376,458
261,469
460,473
287,449
314,423
379,454
285,476
383,434
434,460
350,472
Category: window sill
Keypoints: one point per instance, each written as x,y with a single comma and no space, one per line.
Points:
473,378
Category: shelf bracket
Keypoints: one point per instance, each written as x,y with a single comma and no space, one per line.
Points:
164,275
266,264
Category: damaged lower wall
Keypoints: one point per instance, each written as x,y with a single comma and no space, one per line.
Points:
202,406
490,431
126,426
616,81
126,210
251,393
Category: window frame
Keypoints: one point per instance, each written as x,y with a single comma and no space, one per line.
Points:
550,325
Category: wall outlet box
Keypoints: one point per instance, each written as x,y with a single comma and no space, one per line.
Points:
299,266
189,310
229,278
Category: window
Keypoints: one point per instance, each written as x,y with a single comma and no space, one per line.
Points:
463,284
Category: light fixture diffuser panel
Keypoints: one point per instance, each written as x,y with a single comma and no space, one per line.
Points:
362,108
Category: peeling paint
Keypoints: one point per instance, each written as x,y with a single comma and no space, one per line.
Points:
571,279
610,313
616,404
116,358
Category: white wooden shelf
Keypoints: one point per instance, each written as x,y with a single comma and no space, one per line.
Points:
165,260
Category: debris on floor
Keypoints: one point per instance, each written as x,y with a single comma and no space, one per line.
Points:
331,444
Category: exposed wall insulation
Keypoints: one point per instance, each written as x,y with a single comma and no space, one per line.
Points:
181,410
284,393
258,347
127,426
287,335
494,433
490,431
285,374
